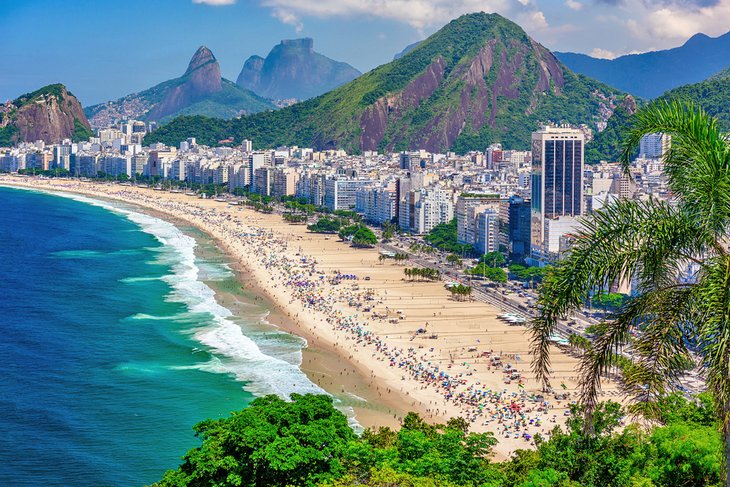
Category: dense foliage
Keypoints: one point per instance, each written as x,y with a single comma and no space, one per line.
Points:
483,269
306,442
8,135
271,442
608,144
81,132
532,274
460,292
363,237
444,237
49,90
713,95
328,225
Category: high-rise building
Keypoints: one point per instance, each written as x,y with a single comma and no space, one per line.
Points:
654,146
430,207
557,180
467,206
285,182
486,230
515,227
339,193
258,160
494,156
412,161
263,180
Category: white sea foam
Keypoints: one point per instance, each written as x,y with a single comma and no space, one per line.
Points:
233,352
129,280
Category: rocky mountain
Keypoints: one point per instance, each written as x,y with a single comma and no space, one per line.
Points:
712,94
199,91
50,114
650,74
480,79
294,70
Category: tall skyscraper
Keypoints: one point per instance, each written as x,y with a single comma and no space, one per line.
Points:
557,180
654,146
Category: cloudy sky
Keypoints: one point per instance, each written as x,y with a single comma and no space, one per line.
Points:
105,49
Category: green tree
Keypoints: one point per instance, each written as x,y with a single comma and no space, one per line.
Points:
651,241
271,442
685,454
364,237
444,237
495,274
326,225
611,301
454,259
389,229
493,259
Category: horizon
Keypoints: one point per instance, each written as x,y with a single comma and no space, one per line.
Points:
153,43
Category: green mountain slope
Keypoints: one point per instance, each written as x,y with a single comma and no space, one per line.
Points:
713,95
199,91
480,79
51,114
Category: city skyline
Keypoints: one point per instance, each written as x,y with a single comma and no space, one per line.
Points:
118,59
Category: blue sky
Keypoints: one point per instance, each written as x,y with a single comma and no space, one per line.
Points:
105,49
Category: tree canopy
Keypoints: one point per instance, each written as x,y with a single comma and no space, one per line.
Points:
307,442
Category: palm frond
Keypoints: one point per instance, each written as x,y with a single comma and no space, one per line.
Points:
697,165
713,298
661,351
623,240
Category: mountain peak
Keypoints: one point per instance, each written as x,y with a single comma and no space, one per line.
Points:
477,81
201,57
50,114
304,43
292,69
699,37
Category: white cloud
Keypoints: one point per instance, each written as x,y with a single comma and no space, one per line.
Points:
416,13
288,17
215,3
533,21
573,5
603,53
673,22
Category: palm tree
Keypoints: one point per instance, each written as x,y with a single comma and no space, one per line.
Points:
681,322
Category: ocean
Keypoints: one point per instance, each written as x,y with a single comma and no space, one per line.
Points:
114,345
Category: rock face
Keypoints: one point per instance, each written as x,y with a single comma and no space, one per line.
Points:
199,91
477,99
650,74
294,70
50,114
479,80
201,79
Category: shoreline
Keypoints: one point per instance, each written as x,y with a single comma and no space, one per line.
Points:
443,378
321,363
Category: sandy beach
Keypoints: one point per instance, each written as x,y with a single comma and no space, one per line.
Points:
360,316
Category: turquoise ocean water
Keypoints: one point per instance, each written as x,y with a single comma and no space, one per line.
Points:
113,344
